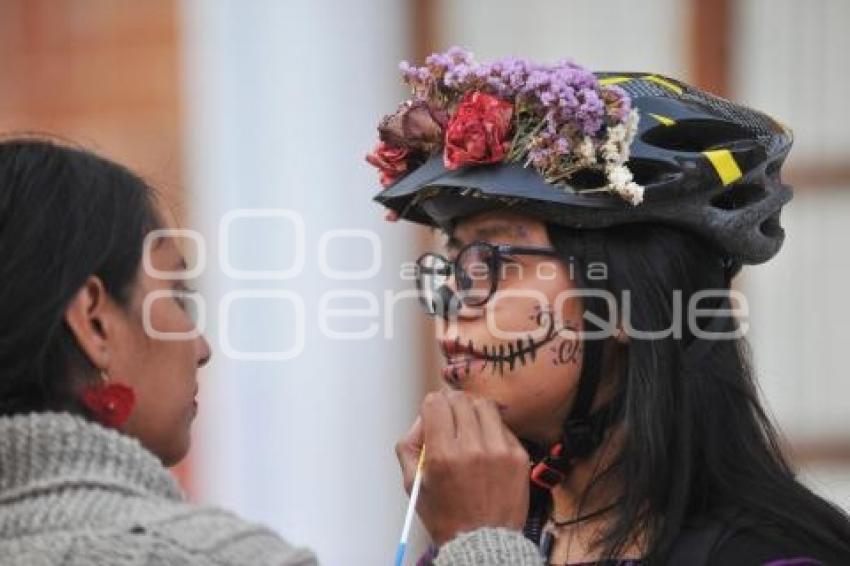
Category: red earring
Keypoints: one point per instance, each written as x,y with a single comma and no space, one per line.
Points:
110,403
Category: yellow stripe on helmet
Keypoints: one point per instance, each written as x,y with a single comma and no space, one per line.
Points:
665,83
614,80
663,119
725,165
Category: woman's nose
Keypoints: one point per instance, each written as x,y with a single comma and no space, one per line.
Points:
449,305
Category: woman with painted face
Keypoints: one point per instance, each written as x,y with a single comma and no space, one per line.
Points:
95,400
593,224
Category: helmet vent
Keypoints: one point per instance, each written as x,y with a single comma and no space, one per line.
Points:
696,135
773,169
587,179
771,227
649,172
738,196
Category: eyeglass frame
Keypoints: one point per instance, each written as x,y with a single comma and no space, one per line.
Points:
498,253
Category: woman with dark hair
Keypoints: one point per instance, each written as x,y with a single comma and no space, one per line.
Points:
594,224
97,397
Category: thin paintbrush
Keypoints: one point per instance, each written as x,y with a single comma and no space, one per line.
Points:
411,509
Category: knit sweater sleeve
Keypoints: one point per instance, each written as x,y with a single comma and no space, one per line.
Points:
489,547
223,539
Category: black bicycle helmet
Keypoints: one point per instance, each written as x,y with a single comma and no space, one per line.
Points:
707,165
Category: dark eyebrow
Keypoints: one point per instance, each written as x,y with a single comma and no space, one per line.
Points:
484,233
496,230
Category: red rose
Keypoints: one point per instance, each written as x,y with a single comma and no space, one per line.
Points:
391,162
478,132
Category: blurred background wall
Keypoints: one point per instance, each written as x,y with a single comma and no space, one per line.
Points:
790,60
238,106
281,100
101,74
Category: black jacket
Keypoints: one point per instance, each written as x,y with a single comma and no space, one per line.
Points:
739,538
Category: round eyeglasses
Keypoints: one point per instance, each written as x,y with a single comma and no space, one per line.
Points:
476,269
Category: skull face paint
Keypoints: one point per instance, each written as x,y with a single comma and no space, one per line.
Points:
516,350
562,340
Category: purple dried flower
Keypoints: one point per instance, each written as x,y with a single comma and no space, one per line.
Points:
540,158
563,109
547,97
408,71
536,79
562,145
459,54
438,60
481,71
591,112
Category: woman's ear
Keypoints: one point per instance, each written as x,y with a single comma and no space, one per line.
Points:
89,319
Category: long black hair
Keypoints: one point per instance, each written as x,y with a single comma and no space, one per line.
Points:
696,437
65,214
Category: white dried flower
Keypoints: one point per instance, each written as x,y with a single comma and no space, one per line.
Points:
617,134
631,131
632,192
612,152
632,125
619,175
586,151
619,138
621,182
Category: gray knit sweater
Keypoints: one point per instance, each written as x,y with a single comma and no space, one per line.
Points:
77,494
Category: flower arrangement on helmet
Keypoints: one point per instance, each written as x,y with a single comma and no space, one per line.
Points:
557,118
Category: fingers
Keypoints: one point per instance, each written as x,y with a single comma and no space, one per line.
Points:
454,415
413,438
468,427
497,437
452,422
476,471
493,430
438,422
407,450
